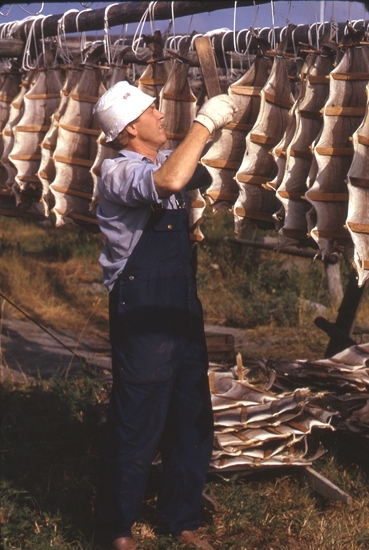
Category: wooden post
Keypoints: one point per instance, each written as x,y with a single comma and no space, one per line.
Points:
208,67
340,332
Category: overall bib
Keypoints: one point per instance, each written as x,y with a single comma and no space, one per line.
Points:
160,397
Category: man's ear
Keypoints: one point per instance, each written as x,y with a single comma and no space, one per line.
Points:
131,129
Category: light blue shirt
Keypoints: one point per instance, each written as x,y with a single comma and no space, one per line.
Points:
126,193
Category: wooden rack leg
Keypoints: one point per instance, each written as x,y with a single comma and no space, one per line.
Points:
340,332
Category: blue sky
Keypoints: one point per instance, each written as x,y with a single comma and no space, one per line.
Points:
298,12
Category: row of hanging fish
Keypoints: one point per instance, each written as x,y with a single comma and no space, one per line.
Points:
293,159
49,140
304,166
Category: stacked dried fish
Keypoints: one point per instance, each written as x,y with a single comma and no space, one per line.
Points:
298,155
76,148
224,157
358,206
342,114
257,204
256,428
345,379
40,102
345,371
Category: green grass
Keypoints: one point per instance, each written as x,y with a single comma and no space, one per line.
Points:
51,431
49,457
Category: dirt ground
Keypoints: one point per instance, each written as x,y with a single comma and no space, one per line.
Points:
27,352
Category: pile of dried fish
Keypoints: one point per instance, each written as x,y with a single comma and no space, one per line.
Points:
258,428
345,379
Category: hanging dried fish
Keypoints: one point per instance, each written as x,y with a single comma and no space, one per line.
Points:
8,90
15,114
46,171
40,102
178,103
117,73
358,205
158,67
76,147
224,157
342,114
255,203
298,156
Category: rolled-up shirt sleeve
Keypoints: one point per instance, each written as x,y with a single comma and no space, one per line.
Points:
129,182
126,193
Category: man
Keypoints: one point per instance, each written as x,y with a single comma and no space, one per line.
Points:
160,397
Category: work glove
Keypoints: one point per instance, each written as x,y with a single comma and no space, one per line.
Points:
216,112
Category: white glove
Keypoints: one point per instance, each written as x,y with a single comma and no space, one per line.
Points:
216,112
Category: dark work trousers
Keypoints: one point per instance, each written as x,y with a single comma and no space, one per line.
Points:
160,398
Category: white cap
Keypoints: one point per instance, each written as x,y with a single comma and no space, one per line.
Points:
118,106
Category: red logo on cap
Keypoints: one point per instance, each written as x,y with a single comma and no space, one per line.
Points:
127,95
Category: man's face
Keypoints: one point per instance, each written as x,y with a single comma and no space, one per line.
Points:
150,127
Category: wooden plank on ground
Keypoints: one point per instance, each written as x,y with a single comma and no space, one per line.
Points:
220,347
324,487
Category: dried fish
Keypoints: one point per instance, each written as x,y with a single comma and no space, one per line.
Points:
291,192
255,203
224,157
342,114
40,102
357,221
76,147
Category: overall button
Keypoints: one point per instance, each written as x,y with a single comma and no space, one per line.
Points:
170,226
130,278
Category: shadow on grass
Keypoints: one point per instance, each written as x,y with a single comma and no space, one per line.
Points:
50,441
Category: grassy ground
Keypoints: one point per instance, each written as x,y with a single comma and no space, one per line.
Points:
51,433
49,456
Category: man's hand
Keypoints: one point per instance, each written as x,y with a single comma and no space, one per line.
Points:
216,112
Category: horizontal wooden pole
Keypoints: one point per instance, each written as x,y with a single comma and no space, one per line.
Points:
121,14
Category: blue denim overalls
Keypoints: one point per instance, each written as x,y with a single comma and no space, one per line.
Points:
160,397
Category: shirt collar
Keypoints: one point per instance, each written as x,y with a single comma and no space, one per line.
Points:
160,157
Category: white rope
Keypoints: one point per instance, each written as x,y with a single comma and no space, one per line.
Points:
173,19
136,41
121,40
61,37
82,40
294,45
228,72
106,40
28,12
272,30
27,60
7,13
151,14
43,39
